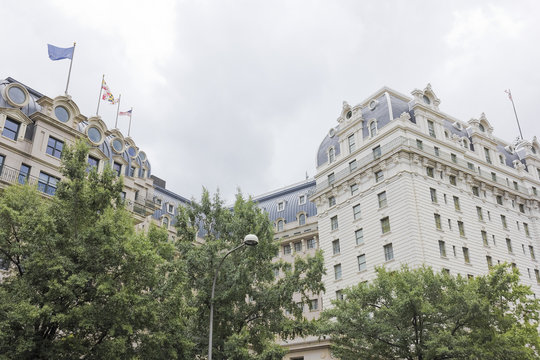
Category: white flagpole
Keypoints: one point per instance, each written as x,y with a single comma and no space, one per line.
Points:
130,116
100,91
117,110
70,64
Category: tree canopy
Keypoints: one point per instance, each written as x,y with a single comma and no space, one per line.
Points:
418,314
254,292
82,283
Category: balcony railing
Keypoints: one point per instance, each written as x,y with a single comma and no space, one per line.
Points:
10,175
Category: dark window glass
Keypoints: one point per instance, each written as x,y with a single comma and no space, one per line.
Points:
2,159
24,173
47,183
117,168
92,162
11,129
55,147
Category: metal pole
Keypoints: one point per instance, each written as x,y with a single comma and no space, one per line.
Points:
100,91
117,110
212,302
130,116
70,63
515,113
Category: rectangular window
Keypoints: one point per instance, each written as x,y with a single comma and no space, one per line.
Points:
456,203
11,129
335,247
339,295
356,211
429,171
352,165
419,144
503,221
359,235
489,261
376,152
379,176
311,244
382,199
461,228
354,189
442,248
535,192
388,252
488,158
385,225
2,160
47,183
92,162
287,249
501,159
298,246
337,271
301,199
509,245
431,128
449,224
314,304
475,191
522,208
516,186
480,213
470,166
484,238
334,223
438,225
117,168
499,199
54,147
537,274
331,201
531,251
24,173
526,228
331,179
362,262
436,151
453,180
433,194
466,255
453,157
494,176
352,143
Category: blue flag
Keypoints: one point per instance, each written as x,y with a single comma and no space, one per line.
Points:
58,53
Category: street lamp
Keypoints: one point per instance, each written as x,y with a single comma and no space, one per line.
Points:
249,240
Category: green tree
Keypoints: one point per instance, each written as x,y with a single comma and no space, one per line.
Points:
419,314
82,284
253,290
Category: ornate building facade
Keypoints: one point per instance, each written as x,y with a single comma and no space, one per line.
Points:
398,182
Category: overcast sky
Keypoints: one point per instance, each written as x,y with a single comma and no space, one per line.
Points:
239,94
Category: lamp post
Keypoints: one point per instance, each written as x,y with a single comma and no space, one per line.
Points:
249,240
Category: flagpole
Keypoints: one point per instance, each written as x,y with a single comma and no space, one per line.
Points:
70,64
515,113
100,91
117,110
130,116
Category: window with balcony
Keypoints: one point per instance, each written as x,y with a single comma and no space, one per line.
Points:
24,174
2,161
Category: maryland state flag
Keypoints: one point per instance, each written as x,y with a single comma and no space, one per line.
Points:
107,94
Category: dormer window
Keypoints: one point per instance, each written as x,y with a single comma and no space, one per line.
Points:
481,127
281,206
426,100
301,199
302,219
372,128
61,113
170,208
331,155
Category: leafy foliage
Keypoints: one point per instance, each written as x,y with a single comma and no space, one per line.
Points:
250,299
83,284
419,314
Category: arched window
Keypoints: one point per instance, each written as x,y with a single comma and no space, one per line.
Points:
302,219
373,128
280,225
165,222
331,155
481,127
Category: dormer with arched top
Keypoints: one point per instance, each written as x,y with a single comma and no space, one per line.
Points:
427,97
481,126
63,109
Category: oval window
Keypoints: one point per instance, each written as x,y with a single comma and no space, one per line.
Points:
94,135
61,113
142,155
132,151
349,114
17,95
117,145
